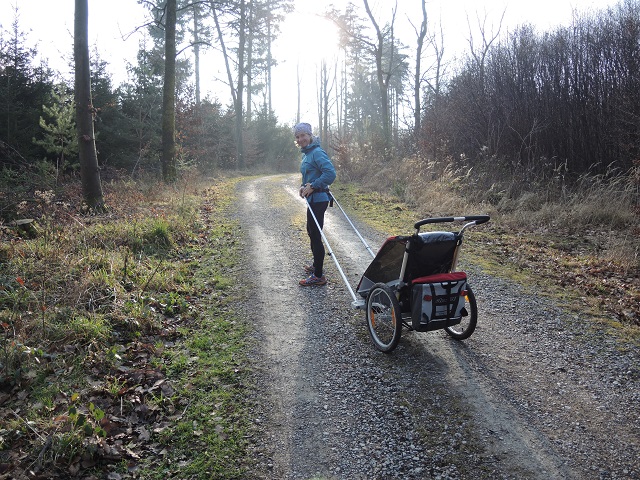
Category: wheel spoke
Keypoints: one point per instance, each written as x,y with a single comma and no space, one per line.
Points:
382,313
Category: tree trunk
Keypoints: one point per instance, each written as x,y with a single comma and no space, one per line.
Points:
269,62
196,50
251,33
418,74
383,78
240,94
298,92
89,170
169,173
326,92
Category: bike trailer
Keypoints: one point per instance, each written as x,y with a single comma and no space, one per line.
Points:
438,301
429,253
412,282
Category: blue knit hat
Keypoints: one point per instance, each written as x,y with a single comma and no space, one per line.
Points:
302,128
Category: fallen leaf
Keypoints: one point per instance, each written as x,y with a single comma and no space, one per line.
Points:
144,434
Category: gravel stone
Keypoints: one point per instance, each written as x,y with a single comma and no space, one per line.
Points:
536,392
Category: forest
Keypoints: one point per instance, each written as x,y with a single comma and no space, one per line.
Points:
124,348
520,108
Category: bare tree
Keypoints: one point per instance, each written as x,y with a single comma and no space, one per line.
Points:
421,34
325,89
196,48
479,96
89,170
269,66
239,107
249,48
298,92
480,54
433,78
237,89
169,173
383,75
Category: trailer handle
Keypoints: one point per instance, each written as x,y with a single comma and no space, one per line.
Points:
476,219
353,226
331,254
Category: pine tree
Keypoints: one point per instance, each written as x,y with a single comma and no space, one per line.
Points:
59,136
23,90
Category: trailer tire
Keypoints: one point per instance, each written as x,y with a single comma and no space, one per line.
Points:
465,328
384,318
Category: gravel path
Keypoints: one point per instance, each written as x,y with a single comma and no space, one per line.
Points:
532,394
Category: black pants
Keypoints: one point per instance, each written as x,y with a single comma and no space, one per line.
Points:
317,247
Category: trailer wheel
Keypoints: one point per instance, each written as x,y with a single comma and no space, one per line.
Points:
384,318
465,328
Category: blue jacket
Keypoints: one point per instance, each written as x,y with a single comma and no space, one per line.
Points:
317,169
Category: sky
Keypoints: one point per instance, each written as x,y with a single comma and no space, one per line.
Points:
304,39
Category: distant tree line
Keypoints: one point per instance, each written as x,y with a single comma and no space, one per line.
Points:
568,97
37,131
524,104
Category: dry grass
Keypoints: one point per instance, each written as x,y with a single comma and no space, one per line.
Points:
92,310
585,235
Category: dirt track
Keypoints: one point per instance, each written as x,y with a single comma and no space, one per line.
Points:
532,394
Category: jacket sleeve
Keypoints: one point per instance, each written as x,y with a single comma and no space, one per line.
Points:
326,168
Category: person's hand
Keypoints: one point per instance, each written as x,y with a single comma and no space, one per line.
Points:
306,190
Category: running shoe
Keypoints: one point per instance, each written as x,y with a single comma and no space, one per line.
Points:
309,268
313,280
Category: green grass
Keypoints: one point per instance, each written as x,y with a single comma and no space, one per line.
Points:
383,211
134,313
104,317
209,368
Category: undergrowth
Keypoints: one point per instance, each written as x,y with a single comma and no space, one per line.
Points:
119,353
578,242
